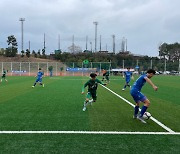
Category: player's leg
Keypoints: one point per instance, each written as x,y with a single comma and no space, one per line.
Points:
127,83
134,94
136,110
40,82
94,96
144,107
88,96
146,102
37,80
5,79
124,86
107,78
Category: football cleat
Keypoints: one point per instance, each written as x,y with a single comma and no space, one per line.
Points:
141,119
134,116
84,108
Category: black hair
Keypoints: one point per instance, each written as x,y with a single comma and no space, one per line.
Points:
93,75
39,68
151,71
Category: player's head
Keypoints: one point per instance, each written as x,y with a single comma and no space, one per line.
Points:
39,69
150,73
93,75
128,68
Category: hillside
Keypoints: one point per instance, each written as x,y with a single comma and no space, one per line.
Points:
24,59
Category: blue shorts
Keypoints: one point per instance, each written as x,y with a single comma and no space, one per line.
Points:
127,81
138,96
39,80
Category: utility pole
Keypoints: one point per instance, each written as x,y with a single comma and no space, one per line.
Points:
44,42
86,42
59,45
73,43
95,23
100,44
113,36
29,46
126,45
91,46
22,20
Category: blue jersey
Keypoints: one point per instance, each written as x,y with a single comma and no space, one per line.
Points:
40,74
137,86
128,75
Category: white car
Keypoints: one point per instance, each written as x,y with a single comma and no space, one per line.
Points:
166,72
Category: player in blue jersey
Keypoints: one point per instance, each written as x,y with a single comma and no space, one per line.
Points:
138,96
127,75
39,78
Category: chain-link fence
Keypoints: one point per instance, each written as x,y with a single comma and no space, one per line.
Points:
81,69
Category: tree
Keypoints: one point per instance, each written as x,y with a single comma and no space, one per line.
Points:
11,51
43,53
50,68
28,53
74,48
22,53
39,53
34,54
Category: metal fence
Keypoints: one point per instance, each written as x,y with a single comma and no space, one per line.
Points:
81,69
59,69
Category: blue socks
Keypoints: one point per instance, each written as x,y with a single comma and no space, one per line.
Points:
143,110
136,110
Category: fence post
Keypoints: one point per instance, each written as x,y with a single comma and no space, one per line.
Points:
47,68
82,69
73,68
100,69
110,69
29,68
20,68
11,68
38,66
2,66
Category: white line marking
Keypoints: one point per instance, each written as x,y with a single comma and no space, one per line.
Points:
88,132
155,120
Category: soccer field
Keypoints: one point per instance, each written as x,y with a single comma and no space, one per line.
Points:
57,109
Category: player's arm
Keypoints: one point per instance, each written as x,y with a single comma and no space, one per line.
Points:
100,82
151,83
83,88
132,77
124,74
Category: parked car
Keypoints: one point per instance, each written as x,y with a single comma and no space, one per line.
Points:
174,73
160,72
166,72
157,73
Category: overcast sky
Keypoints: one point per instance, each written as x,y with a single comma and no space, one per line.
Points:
144,23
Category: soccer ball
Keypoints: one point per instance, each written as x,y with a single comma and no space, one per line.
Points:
146,115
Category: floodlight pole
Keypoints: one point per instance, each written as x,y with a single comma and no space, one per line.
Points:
22,20
113,36
59,44
86,42
100,44
95,23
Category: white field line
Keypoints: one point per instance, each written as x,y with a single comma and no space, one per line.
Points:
155,120
89,132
